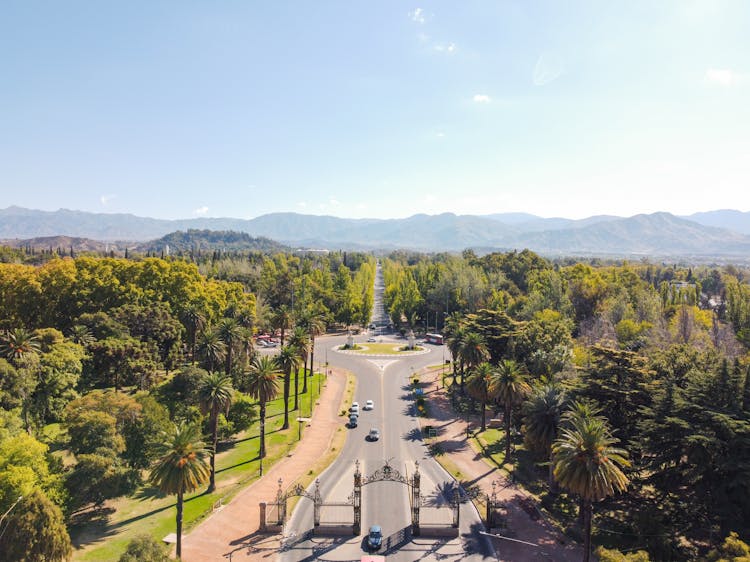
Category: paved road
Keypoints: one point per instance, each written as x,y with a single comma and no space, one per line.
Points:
384,380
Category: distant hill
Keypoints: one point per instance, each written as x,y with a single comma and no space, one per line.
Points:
659,234
63,243
726,218
209,240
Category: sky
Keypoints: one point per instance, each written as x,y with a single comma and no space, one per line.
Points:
379,109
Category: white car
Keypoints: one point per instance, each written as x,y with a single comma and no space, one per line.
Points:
354,408
369,405
374,434
371,340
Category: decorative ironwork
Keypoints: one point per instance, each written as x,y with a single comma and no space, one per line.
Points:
386,473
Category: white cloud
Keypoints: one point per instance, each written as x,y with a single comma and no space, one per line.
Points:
417,15
105,199
481,98
449,48
302,204
722,76
548,68
334,202
200,210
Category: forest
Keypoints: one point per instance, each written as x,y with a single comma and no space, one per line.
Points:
102,357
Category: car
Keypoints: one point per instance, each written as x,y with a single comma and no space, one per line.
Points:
375,537
371,340
369,405
374,434
353,418
354,408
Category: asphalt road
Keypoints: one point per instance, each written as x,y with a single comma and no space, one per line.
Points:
384,380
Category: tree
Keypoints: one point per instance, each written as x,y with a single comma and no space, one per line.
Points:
473,352
478,386
35,531
509,387
288,361
588,464
211,349
314,322
230,332
194,320
145,548
216,393
542,413
301,342
263,386
455,341
17,344
182,468
282,321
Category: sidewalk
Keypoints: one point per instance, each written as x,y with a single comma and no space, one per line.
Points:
479,472
234,527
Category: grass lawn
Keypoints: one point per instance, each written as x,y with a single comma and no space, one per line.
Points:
383,349
106,537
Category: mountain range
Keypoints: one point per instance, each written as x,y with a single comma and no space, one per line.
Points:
715,233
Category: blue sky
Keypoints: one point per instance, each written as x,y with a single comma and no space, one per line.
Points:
375,109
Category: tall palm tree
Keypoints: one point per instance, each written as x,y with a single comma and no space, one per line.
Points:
215,394
282,321
181,468
263,385
314,322
230,332
478,386
588,464
81,335
509,387
194,320
473,352
287,361
455,341
211,349
543,412
301,341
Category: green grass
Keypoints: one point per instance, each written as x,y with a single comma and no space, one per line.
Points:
383,349
148,512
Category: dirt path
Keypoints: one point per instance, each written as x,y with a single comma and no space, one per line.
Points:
234,527
524,522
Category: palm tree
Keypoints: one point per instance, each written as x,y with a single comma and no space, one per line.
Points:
588,464
211,349
314,322
509,387
18,344
300,340
263,385
215,395
182,468
542,412
230,332
282,320
473,351
194,321
455,341
478,386
81,335
287,361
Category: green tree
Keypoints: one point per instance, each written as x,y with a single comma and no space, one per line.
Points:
478,387
230,332
301,342
216,394
145,548
542,415
287,361
473,352
182,468
263,385
211,349
588,464
35,531
509,387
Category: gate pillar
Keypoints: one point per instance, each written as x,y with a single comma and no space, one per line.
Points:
317,501
357,528
263,527
280,506
416,501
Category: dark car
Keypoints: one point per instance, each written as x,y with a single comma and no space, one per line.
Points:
375,538
353,420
